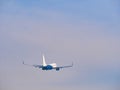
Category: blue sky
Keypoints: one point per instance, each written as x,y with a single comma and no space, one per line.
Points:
85,32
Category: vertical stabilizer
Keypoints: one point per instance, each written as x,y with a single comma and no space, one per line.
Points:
44,63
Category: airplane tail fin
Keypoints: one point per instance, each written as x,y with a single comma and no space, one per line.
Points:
44,63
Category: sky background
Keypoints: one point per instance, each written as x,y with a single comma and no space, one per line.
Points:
86,32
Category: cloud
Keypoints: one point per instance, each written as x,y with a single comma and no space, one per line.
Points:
90,44
88,38
85,41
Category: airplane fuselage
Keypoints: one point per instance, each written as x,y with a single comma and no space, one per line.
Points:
48,67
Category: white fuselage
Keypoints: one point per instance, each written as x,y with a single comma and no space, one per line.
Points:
49,66
53,65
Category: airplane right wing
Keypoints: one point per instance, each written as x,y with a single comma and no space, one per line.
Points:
66,66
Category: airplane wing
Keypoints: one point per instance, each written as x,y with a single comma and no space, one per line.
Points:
65,66
36,66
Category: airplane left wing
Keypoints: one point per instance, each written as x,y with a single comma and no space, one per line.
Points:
36,66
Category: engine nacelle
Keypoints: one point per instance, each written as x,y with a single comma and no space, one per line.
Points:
57,69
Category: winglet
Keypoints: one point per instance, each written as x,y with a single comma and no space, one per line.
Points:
72,64
26,64
23,62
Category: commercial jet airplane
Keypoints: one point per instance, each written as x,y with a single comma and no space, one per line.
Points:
52,66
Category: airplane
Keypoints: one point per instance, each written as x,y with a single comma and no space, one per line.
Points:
52,66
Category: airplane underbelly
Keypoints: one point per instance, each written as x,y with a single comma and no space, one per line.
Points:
48,67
